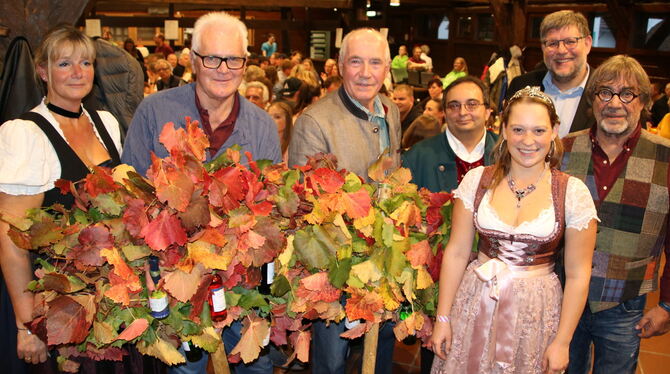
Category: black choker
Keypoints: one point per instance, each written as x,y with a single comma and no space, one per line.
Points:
64,112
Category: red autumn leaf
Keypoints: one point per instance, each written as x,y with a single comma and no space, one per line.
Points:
135,217
233,275
164,231
213,236
363,304
92,239
280,327
420,254
38,326
196,139
300,341
66,321
110,354
197,212
357,204
252,239
100,182
121,268
329,180
170,138
200,296
261,209
65,186
121,289
356,332
135,329
20,238
173,185
435,265
433,213
231,177
216,190
317,287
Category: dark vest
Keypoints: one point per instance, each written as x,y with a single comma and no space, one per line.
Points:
539,250
634,214
72,168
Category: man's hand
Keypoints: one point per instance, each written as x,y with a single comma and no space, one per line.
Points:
655,322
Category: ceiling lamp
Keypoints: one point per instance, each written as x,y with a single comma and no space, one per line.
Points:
394,3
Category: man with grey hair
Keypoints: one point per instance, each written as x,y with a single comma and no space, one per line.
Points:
218,54
566,42
425,51
626,170
257,93
357,125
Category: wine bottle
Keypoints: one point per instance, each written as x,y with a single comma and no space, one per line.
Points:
158,301
217,299
193,353
267,277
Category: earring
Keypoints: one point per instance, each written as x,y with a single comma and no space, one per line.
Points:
501,145
552,148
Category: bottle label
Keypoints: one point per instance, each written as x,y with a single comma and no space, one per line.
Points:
158,304
270,272
218,300
266,341
185,346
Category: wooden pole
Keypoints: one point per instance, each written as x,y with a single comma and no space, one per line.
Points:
220,360
370,350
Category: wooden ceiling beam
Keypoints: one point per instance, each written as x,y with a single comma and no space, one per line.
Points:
120,4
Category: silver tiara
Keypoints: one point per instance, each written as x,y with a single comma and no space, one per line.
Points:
533,91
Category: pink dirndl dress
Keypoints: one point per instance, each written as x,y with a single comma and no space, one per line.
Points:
507,310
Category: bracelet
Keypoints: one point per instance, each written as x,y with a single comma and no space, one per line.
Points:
24,329
442,318
664,305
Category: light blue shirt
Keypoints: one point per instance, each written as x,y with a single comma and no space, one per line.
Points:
378,118
566,102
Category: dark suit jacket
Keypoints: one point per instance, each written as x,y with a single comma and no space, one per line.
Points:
659,109
583,117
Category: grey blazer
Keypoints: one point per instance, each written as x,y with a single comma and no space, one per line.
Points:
335,125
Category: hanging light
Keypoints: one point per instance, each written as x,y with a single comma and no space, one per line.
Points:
367,4
394,3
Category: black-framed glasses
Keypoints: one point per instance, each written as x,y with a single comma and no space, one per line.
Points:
569,43
470,106
625,96
213,62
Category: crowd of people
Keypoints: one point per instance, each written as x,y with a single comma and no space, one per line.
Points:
568,199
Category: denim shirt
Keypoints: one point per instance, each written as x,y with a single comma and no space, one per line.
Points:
254,130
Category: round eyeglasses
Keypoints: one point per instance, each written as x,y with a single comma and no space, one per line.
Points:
625,96
213,62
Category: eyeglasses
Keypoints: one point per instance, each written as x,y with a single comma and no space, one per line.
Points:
625,96
569,43
470,106
213,62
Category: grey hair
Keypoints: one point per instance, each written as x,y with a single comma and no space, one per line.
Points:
218,19
161,62
347,39
257,84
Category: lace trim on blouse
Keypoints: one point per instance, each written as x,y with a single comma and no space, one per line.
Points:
579,208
